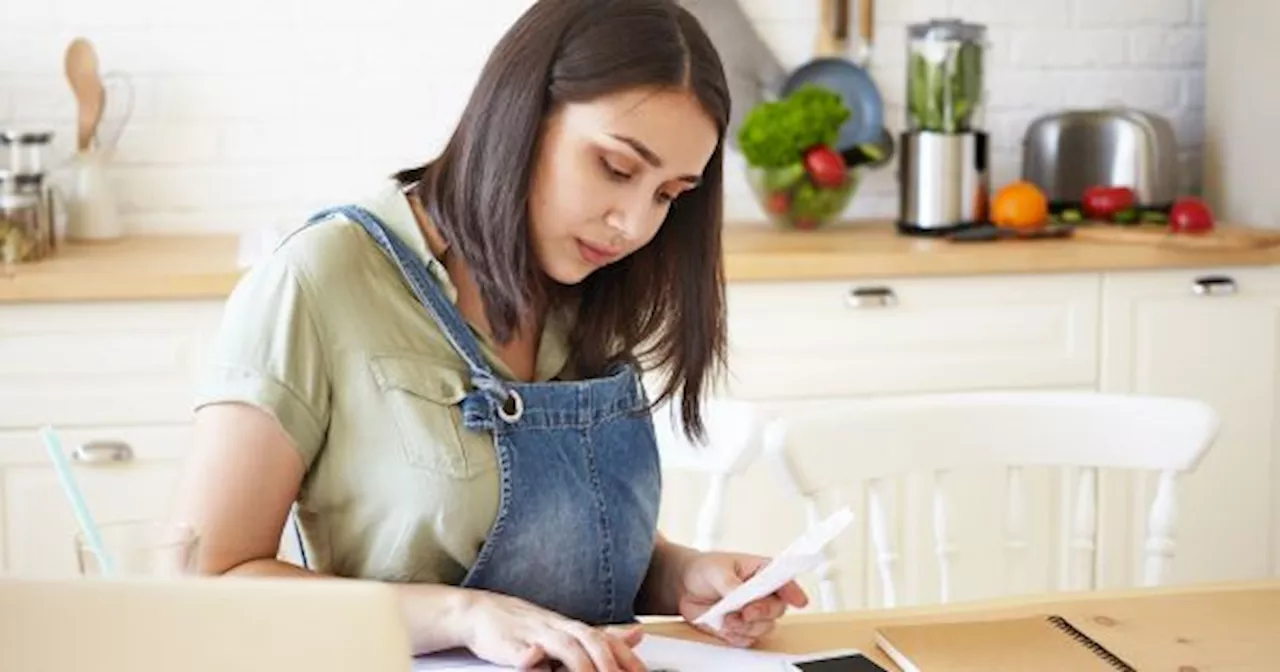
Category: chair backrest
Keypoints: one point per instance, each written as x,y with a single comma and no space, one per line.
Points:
870,444
733,431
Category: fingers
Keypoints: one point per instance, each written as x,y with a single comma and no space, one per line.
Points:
599,646
581,648
767,609
744,635
567,649
630,636
745,627
628,660
793,595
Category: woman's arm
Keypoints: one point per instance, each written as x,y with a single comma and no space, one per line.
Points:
242,478
685,582
663,584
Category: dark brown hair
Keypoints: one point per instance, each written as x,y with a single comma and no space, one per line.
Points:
662,305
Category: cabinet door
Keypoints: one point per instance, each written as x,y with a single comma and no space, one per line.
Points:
835,339
124,473
1211,335
100,364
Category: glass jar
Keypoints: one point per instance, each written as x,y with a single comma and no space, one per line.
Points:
946,62
24,151
25,229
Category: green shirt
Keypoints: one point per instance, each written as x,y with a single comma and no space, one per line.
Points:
327,337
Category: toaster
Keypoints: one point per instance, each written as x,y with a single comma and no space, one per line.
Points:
1065,153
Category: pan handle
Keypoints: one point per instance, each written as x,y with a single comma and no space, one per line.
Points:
867,23
840,31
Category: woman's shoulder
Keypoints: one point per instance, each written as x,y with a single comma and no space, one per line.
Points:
325,250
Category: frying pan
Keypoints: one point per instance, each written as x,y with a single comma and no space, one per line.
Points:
833,70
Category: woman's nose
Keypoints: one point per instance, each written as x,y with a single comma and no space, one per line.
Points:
630,220
621,222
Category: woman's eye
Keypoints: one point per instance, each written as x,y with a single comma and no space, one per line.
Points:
614,173
665,197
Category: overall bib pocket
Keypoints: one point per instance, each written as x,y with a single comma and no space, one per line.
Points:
424,397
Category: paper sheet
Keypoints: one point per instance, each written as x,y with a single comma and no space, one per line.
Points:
660,654
803,555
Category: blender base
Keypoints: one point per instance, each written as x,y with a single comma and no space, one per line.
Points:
912,229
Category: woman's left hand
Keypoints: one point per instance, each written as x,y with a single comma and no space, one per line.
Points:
707,577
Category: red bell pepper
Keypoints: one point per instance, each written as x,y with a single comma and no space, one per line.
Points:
1190,215
1103,202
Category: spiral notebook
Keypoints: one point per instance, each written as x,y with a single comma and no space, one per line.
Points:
1041,643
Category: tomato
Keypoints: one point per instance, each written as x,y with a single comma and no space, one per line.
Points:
825,166
1190,215
779,203
1019,205
1102,202
806,223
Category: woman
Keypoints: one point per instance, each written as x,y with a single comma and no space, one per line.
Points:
444,377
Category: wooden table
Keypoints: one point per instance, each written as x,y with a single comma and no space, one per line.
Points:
1198,628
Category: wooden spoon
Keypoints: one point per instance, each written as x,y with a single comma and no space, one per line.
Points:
82,72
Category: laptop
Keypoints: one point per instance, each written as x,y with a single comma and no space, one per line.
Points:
201,625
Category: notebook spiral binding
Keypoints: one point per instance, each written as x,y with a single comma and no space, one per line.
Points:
1091,644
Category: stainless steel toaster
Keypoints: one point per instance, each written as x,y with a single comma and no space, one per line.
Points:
1067,152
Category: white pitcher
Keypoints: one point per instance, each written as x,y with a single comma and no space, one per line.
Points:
92,211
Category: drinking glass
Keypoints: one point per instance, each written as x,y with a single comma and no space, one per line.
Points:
140,549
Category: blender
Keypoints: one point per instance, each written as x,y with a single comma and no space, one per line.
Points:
943,176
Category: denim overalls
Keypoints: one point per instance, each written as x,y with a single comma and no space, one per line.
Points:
580,479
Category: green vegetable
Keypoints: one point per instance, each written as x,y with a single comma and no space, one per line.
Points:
809,200
1071,215
777,133
1126,216
943,96
1154,217
783,178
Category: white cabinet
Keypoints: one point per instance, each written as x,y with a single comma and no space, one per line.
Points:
833,339
101,363
116,381
124,372
126,473
1213,335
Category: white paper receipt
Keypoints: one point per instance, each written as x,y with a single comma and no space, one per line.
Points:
803,555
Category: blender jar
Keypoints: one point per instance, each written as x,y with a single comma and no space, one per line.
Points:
945,66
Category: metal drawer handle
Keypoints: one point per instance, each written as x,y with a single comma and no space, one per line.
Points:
103,452
870,297
1214,285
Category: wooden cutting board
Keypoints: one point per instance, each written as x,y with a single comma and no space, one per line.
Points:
1224,237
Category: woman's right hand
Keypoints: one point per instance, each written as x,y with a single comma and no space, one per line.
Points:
509,631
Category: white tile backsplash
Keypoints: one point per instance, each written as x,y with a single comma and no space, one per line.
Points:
251,112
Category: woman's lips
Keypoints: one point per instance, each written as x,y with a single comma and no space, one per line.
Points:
595,255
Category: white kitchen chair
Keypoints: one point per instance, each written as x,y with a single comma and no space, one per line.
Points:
732,444
867,444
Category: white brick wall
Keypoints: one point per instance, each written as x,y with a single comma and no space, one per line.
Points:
252,112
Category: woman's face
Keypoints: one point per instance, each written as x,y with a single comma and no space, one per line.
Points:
606,174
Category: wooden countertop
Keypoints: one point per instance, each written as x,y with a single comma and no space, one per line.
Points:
1203,627
758,253
136,268
205,266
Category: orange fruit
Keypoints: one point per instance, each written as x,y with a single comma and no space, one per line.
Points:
1019,205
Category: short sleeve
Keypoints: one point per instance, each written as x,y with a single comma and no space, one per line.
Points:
269,353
